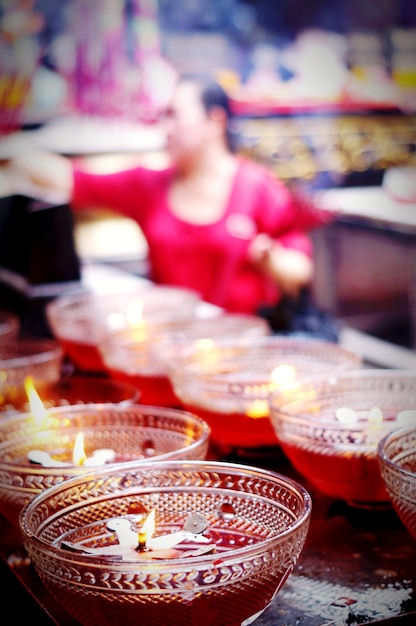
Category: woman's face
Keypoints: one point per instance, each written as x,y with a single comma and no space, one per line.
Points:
188,126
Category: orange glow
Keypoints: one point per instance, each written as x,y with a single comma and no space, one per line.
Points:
148,527
280,377
283,374
204,344
35,403
78,454
259,408
132,318
134,313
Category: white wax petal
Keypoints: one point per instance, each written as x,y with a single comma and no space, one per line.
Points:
346,415
406,417
167,541
172,539
125,536
106,454
40,457
100,456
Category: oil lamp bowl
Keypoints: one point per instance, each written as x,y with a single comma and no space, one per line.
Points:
257,519
229,382
135,433
39,358
80,321
338,456
9,325
141,356
397,458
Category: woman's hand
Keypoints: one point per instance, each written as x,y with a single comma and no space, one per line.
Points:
400,183
39,175
291,269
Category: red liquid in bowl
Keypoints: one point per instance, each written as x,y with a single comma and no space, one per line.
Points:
229,604
88,388
349,475
85,356
237,429
156,390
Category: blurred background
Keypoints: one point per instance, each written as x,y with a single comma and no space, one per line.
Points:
324,93
102,53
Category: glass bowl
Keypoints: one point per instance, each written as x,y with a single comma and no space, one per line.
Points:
141,356
251,524
229,382
131,433
19,358
397,459
329,428
9,325
79,321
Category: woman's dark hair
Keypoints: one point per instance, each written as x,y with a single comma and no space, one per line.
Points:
213,95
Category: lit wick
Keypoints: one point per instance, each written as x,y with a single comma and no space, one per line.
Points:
141,546
146,532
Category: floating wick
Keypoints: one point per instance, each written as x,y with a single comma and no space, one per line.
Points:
141,546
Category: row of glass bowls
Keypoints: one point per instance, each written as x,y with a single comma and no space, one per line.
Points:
229,370
320,406
225,369
257,520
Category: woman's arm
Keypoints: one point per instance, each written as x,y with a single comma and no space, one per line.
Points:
289,267
42,175
282,250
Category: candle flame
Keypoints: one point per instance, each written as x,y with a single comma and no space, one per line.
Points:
148,527
35,403
78,454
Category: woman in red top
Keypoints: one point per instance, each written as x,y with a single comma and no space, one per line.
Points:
214,221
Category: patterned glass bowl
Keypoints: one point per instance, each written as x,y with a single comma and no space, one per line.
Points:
141,356
133,433
330,426
255,521
229,382
80,321
397,458
40,359
9,325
